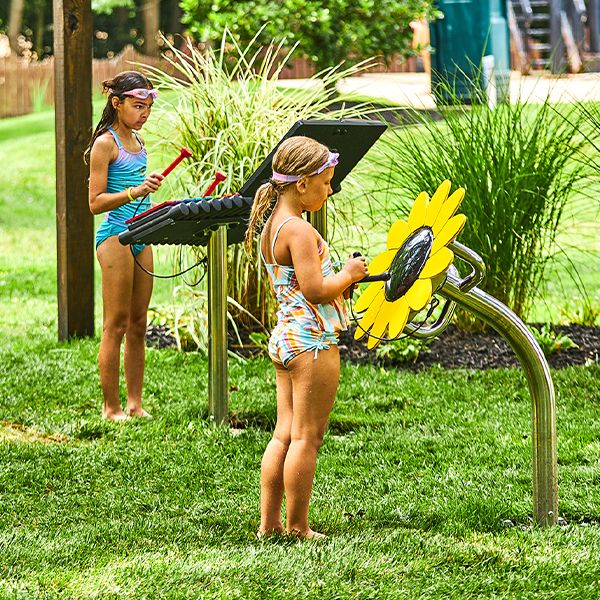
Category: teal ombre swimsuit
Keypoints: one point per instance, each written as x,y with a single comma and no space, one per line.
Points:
127,170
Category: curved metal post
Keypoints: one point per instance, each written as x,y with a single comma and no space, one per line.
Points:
541,389
217,325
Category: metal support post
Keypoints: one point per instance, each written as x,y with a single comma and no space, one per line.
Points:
318,220
217,325
541,389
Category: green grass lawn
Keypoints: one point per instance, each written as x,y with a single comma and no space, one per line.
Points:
415,480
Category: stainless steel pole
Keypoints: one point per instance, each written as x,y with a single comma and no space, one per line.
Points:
318,220
541,389
217,325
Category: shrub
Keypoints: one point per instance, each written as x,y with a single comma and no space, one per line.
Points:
516,162
550,341
327,31
403,350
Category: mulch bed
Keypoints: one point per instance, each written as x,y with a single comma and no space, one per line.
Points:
456,349
453,349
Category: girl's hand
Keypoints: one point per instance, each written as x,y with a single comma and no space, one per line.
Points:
356,268
150,185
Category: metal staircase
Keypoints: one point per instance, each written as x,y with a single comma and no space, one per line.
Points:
557,35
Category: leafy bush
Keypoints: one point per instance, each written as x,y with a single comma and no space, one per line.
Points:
403,350
550,341
327,31
516,162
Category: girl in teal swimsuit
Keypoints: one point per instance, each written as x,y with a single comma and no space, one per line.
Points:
119,186
303,345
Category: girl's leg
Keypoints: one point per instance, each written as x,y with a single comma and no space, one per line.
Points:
117,280
135,336
271,470
314,383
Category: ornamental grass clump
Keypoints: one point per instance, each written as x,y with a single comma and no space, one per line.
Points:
227,108
519,166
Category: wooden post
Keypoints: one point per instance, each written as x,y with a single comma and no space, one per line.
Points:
74,222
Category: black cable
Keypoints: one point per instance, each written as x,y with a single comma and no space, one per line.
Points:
203,260
156,275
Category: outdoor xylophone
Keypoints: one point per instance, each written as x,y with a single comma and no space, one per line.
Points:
192,221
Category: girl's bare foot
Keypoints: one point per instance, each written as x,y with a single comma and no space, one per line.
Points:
308,535
116,416
268,532
138,412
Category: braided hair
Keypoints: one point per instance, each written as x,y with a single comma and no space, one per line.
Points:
115,88
297,155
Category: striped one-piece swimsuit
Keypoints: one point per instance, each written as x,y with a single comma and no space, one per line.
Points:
302,326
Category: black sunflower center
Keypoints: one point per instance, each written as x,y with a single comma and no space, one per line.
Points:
408,263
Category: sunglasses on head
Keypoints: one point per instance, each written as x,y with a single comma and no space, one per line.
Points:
142,93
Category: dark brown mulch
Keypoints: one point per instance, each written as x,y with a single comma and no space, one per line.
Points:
483,350
451,350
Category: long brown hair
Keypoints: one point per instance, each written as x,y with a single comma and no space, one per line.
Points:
297,155
115,87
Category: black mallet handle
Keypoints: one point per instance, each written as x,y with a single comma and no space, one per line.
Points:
370,278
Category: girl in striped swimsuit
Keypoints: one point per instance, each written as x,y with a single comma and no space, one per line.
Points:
303,345
119,186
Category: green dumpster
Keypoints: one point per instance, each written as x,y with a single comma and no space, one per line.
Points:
470,31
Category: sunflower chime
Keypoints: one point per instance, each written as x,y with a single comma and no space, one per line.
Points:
416,261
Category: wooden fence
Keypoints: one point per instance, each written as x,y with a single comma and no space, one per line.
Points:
27,85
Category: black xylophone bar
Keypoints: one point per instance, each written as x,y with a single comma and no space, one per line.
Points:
190,222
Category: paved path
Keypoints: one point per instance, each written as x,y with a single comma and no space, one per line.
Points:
413,89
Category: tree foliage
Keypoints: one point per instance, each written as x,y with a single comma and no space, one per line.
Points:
328,31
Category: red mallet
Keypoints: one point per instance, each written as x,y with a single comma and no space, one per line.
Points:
183,153
219,177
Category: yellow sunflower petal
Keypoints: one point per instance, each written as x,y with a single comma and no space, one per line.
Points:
438,198
369,295
398,233
418,212
368,318
437,263
379,327
385,313
448,209
373,343
399,318
381,262
419,294
449,232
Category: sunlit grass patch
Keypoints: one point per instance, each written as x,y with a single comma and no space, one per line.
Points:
17,433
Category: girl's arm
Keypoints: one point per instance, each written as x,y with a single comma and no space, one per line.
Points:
101,201
303,248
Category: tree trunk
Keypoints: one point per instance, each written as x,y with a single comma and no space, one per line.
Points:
176,27
151,25
15,21
40,23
